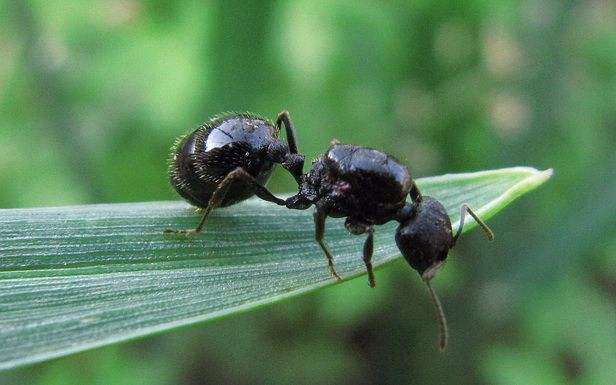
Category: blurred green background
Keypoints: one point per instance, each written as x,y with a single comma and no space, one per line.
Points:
92,95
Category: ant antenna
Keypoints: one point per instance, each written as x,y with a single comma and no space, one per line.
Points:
440,316
465,209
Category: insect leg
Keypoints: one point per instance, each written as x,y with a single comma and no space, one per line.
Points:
259,190
219,195
285,118
368,250
415,193
293,161
320,213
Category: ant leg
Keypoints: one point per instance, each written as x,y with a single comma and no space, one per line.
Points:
285,118
320,213
415,193
368,250
219,195
293,162
466,209
259,190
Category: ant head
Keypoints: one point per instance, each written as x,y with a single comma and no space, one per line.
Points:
424,236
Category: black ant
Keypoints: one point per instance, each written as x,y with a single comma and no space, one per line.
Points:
231,158
369,188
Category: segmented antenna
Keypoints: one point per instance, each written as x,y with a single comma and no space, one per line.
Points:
466,209
440,317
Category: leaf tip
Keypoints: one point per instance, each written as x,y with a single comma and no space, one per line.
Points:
541,176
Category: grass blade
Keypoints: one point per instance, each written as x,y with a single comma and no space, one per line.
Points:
74,278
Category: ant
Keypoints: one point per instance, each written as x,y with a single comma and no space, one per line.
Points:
229,159
369,188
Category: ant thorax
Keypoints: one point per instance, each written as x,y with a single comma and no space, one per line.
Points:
365,184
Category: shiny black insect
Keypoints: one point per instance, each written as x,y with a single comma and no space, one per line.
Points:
231,158
370,188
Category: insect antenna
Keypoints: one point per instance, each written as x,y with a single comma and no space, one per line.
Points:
440,317
466,209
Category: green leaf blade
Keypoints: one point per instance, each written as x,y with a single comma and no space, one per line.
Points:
74,278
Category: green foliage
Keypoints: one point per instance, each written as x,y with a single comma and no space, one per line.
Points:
93,94
73,278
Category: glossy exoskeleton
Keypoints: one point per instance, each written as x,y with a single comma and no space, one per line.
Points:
370,188
229,159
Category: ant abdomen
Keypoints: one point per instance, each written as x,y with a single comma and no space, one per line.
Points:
231,158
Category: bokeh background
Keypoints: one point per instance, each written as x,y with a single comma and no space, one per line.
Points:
92,95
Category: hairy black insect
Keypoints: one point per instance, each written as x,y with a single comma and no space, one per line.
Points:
368,188
229,159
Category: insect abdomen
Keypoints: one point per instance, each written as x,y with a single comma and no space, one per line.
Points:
183,172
